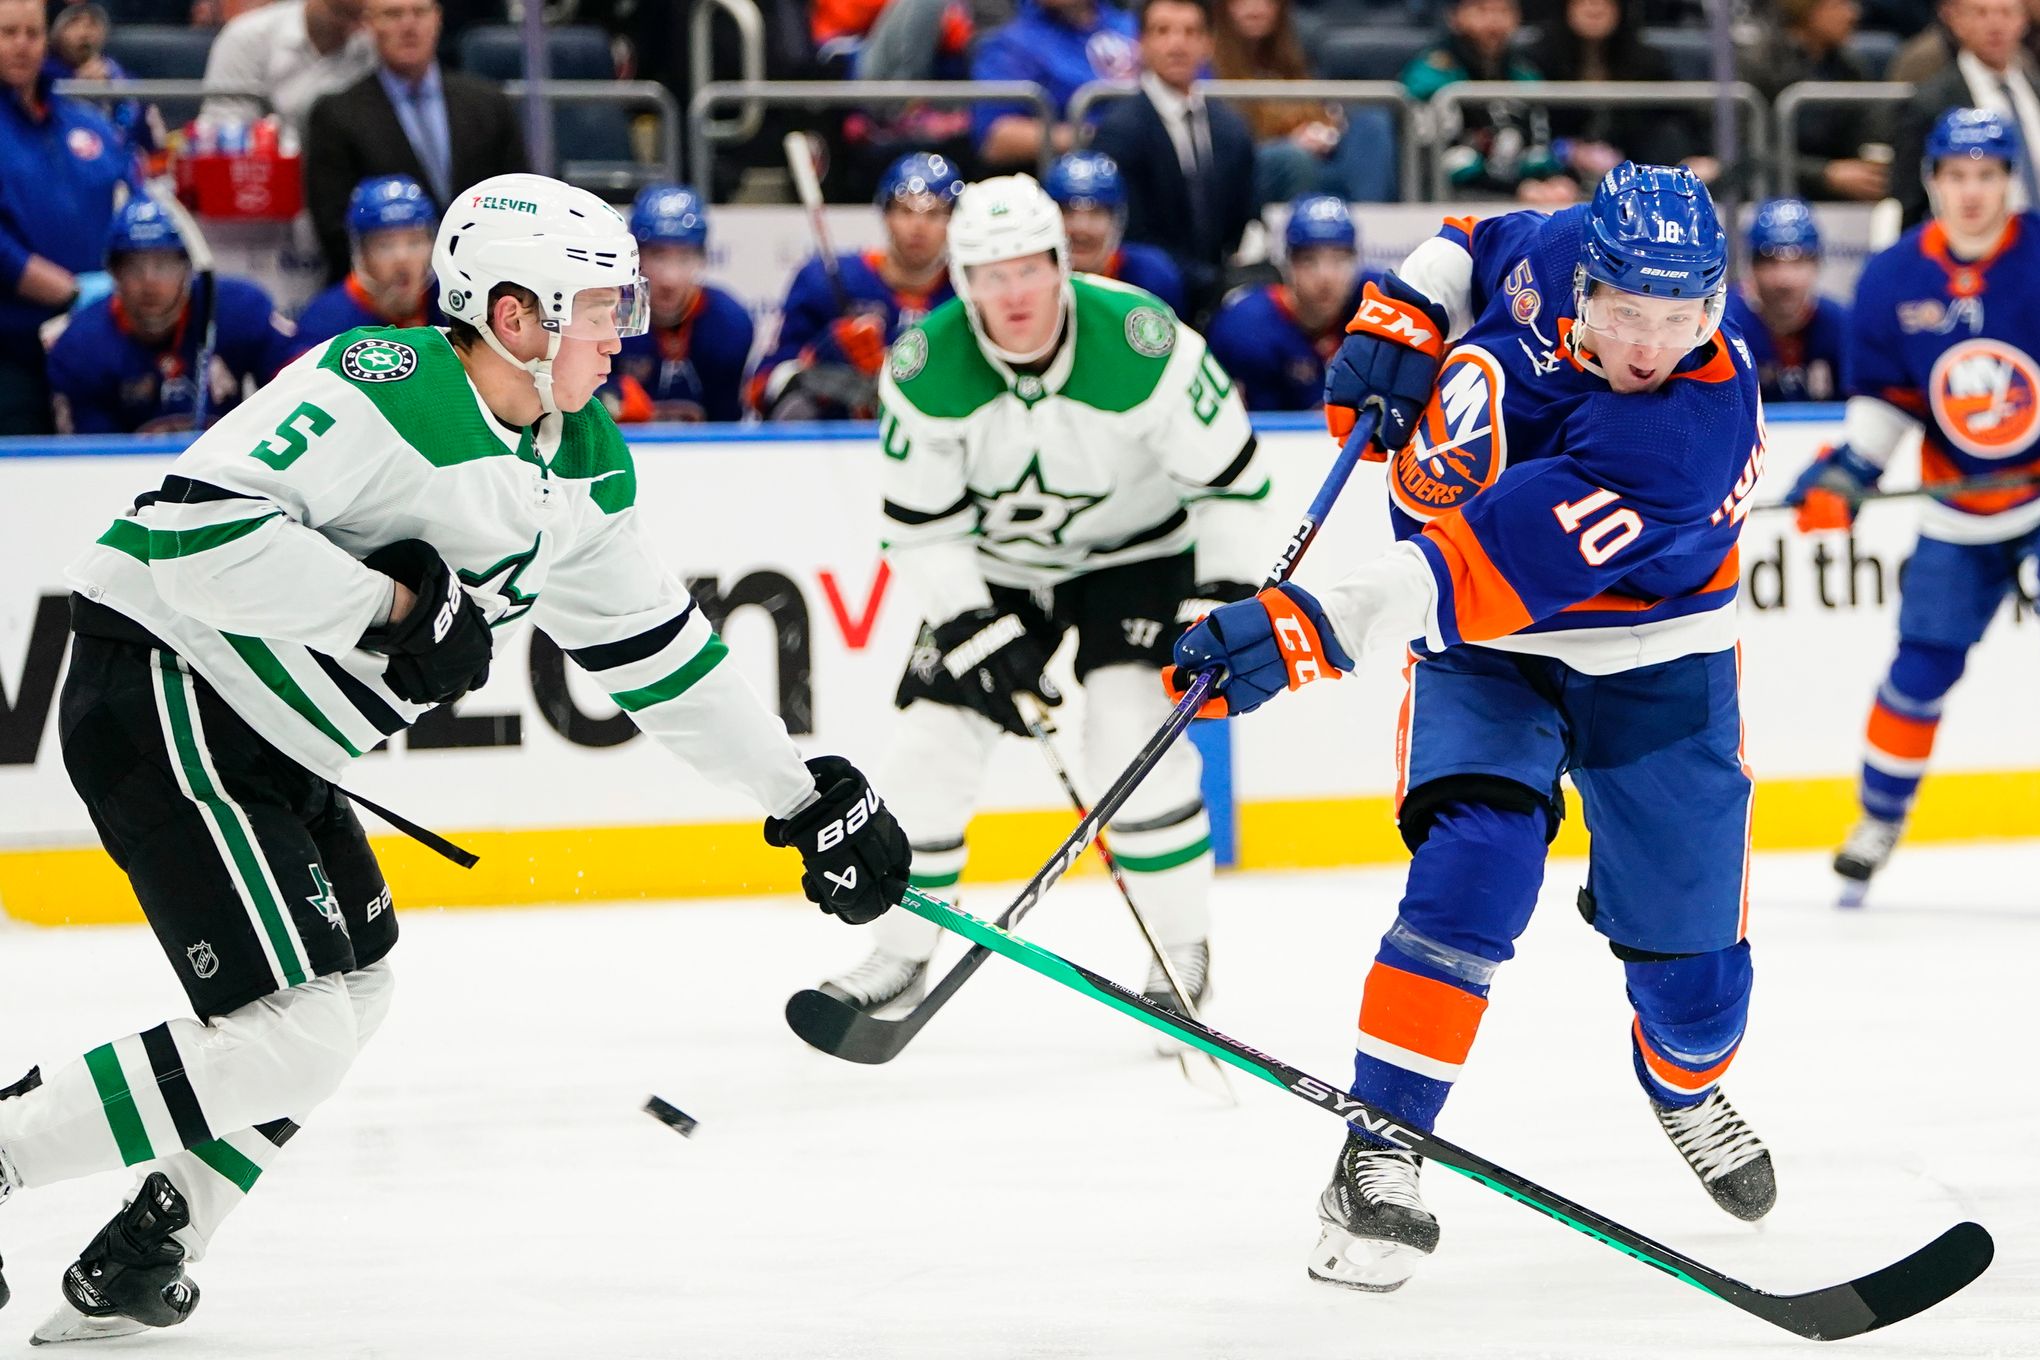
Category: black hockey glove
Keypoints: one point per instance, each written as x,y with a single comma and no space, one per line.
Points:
440,650
856,855
992,658
1209,595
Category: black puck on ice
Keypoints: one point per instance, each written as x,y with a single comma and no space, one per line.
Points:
671,1115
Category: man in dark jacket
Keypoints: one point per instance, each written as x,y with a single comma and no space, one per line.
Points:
445,130
1812,44
1188,161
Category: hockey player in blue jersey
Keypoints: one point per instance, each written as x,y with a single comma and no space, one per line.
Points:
1089,189
1574,436
834,328
1943,341
690,364
1274,338
125,364
390,225
1796,336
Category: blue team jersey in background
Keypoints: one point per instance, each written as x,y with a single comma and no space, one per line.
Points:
1150,268
811,305
1952,344
693,369
1258,340
1041,47
1809,364
111,383
346,306
1557,516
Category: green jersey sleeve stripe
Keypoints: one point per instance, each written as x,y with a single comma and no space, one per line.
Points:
1154,864
230,1162
255,652
160,545
117,1102
676,684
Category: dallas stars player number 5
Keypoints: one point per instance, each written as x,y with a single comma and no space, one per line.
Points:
1059,456
338,554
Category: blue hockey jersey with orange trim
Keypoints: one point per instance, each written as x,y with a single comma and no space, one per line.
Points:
1952,344
1279,366
1558,517
1809,364
811,305
1150,268
692,370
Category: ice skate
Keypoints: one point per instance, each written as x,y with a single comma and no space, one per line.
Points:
131,1277
883,982
1732,1163
1375,1225
1192,963
1862,855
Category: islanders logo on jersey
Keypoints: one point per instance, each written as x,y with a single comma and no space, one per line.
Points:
1459,447
1985,396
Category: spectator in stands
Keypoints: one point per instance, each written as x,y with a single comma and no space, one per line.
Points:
1991,71
390,226
1797,337
77,44
1504,147
1598,40
128,364
1927,53
1089,189
295,49
896,39
836,323
445,130
1813,45
1059,45
60,163
1301,147
1188,161
690,364
1275,338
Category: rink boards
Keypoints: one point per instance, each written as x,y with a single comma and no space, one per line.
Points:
777,531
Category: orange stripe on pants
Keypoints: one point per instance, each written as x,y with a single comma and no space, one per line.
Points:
1900,736
1678,1078
1421,1014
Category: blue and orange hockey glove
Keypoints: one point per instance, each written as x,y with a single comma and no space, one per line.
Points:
1828,492
1389,360
1278,640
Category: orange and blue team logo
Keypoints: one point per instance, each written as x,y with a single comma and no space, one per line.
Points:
1460,445
1985,395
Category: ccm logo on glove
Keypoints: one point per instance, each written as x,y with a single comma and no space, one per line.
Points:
1392,320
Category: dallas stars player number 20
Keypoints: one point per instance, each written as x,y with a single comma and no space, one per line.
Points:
337,555
1059,455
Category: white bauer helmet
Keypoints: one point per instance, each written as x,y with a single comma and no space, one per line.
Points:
564,244
1005,218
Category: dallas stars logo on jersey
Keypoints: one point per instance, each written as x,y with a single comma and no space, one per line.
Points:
1030,511
378,361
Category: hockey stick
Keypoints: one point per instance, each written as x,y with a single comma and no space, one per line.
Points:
839,1028
204,294
2007,481
1878,1299
800,163
1042,728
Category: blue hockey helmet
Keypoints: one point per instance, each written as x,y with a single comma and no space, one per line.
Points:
1318,221
389,202
1651,230
1087,179
1979,134
671,215
1784,229
141,224
920,174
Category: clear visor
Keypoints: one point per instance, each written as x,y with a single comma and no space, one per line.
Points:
607,313
1654,322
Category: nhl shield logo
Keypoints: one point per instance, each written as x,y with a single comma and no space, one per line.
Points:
203,961
1149,332
378,361
909,356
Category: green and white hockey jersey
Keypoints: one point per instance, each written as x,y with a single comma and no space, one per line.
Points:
247,560
1132,444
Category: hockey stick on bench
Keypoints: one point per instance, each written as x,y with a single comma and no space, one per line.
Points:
1896,1292
839,1028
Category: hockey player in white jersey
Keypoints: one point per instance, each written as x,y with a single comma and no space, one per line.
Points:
1060,454
335,557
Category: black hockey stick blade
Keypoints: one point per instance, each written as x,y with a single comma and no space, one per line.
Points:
1878,1299
840,1030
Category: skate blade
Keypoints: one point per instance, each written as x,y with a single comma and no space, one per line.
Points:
1854,892
1364,1263
68,1324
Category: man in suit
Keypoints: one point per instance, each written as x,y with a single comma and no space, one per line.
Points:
1991,71
445,130
1188,161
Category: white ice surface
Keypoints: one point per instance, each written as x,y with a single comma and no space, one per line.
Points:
1027,1180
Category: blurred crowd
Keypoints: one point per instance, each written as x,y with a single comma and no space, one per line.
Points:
398,103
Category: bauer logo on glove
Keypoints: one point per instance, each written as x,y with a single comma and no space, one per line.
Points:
1278,640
